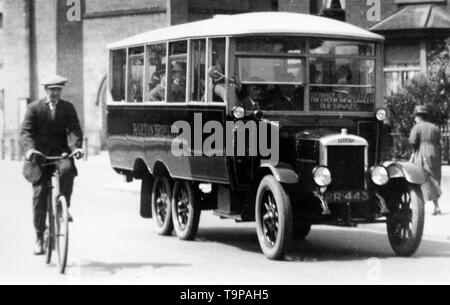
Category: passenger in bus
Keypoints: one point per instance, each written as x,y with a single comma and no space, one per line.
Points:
136,93
158,94
343,77
178,85
256,95
156,78
316,76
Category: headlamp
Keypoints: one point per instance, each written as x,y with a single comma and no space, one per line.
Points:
239,112
322,176
379,175
381,115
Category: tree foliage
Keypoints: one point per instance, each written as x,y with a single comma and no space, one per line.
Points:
432,90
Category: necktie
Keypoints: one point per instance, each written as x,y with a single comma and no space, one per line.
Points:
53,110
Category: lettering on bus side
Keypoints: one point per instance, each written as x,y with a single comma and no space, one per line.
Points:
214,139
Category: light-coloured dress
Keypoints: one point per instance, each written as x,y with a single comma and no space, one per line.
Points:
426,141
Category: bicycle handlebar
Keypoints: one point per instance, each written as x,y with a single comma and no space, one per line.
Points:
63,157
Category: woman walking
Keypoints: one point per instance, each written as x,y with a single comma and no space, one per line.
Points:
426,141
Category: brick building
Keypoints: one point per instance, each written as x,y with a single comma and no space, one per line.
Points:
69,37
2,102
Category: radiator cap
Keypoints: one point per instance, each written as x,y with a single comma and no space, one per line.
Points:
344,131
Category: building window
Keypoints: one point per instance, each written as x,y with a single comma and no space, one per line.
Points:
275,5
402,63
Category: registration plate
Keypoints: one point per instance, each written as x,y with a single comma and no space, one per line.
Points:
347,196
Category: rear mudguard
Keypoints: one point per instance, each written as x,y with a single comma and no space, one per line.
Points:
282,172
411,172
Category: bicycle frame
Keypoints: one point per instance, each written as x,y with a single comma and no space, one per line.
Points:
57,213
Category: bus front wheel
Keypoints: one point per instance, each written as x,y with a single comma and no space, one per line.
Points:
405,225
273,218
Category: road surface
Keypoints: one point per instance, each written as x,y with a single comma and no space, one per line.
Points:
111,244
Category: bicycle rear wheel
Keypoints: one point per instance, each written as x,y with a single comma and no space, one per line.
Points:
62,233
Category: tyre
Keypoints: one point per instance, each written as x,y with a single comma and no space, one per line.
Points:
62,233
273,218
405,225
161,205
186,210
49,241
300,231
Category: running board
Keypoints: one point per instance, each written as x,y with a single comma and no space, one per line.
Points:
225,215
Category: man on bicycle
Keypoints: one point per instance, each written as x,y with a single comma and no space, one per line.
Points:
51,126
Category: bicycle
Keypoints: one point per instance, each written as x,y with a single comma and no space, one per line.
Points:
57,232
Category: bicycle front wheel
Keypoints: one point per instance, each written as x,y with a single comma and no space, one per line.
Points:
62,233
49,238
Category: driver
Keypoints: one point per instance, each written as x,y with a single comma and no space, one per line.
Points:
256,95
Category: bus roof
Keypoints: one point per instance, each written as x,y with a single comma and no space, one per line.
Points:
253,24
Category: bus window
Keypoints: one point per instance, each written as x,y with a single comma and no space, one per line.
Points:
218,59
320,46
135,74
273,73
198,72
177,71
156,73
271,45
118,74
342,76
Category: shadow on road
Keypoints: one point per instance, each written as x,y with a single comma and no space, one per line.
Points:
325,244
113,268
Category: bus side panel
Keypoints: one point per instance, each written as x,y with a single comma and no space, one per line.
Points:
144,132
199,167
118,143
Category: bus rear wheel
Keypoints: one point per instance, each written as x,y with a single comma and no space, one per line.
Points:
161,205
273,218
186,210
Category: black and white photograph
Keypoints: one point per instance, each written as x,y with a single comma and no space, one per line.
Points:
210,146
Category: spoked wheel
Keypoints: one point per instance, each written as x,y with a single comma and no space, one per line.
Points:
406,223
49,237
185,210
161,205
273,218
62,233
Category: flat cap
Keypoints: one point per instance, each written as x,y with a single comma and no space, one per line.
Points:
421,109
55,81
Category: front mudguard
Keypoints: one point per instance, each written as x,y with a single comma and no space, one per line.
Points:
283,173
407,170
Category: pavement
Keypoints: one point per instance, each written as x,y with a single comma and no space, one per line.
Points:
111,244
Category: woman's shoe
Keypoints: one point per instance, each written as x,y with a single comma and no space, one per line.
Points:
437,211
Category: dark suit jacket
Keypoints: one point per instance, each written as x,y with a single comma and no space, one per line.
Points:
247,104
51,137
